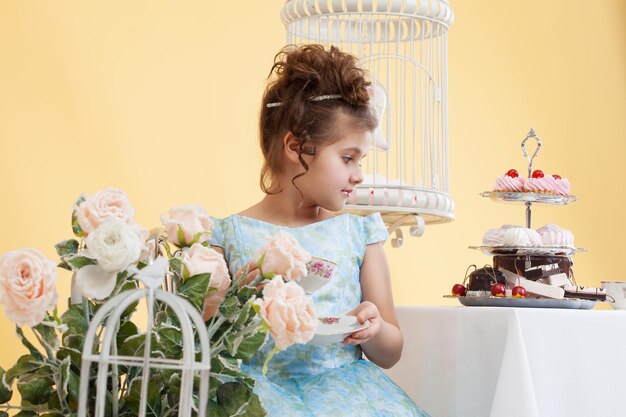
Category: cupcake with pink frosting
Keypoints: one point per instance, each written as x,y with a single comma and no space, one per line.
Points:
551,184
510,182
553,235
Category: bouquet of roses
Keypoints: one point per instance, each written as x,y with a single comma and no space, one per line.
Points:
107,255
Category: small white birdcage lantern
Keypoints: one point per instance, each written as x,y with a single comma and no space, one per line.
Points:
403,46
102,352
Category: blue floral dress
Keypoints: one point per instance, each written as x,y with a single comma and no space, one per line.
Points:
330,380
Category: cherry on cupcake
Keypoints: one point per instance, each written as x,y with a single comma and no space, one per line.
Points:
518,292
512,173
498,290
537,173
458,290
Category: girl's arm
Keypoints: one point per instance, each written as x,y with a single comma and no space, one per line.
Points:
382,341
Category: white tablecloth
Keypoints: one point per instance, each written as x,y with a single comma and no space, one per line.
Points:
509,362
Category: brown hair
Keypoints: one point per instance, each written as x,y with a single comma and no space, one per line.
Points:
302,73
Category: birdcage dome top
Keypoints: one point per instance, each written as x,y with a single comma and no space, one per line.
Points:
436,10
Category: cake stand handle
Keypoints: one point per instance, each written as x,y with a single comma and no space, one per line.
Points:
530,159
533,135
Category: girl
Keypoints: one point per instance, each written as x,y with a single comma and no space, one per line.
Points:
316,127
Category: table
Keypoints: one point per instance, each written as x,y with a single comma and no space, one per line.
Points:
526,362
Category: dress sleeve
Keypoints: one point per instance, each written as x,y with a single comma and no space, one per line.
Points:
374,229
217,237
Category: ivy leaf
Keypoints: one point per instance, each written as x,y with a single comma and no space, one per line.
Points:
4,414
31,348
5,392
237,398
153,398
75,320
195,288
228,307
171,341
78,261
25,413
250,346
126,330
48,335
61,377
26,364
34,390
78,231
216,410
67,247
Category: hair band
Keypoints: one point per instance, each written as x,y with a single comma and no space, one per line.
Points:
316,98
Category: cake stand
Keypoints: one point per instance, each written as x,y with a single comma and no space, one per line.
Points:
528,199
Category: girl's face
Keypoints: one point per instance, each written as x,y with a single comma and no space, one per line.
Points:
335,169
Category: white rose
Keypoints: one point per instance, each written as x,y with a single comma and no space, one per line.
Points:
115,245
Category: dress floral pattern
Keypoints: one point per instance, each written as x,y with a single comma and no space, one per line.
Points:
330,380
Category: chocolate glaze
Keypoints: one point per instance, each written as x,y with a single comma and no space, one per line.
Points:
483,278
534,267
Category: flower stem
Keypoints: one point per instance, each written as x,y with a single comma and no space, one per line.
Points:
269,358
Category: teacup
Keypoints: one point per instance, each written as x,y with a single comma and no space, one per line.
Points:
615,291
320,271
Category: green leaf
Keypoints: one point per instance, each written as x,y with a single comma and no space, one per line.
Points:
126,330
229,307
75,320
180,235
171,341
250,346
26,364
5,392
48,334
78,231
237,398
216,410
195,288
35,391
133,346
4,414
67,247
25,413
31,348
78,262
61,377
176,266
153,399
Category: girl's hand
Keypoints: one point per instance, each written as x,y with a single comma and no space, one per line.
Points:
252,271
365,311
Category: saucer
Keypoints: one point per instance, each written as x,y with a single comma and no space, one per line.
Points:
334,329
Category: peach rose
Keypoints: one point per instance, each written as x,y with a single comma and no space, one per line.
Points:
284,256
105,204
27,286
199,259
288,311
187,225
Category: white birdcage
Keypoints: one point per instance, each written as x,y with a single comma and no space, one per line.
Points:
403,46
103,352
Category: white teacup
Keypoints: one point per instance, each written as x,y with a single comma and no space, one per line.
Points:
320,271
617,291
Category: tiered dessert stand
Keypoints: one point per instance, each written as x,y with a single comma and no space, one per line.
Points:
528,199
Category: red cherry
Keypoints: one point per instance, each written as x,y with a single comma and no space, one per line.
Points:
458,290
518,292
498,290
556,176
537,173
512,173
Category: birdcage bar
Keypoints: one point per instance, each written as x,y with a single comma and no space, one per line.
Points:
188,365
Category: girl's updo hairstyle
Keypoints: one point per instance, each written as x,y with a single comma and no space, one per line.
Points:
303,73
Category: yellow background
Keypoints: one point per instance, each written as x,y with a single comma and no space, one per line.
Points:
161,99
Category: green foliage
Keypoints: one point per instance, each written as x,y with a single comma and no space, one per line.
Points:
195,288
5,393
